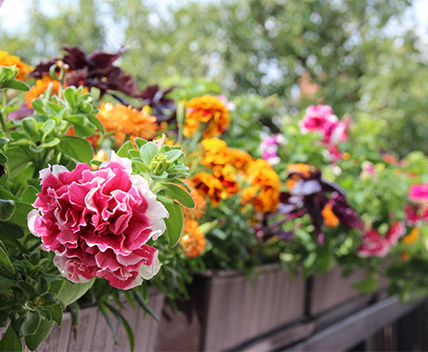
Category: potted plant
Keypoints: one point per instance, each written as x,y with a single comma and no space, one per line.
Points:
69,220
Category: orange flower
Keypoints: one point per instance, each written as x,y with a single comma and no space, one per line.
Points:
296,169
214,153
206,109
239,159
209,186
10,60
227,177
40,88
193,240
412,236
265,187
125,121
330,219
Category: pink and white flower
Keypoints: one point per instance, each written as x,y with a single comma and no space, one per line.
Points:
269,148
98,222
375,245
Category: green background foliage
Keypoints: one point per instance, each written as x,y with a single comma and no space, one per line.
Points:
360,53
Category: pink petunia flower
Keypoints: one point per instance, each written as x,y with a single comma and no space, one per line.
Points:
320,118
98,222
375,245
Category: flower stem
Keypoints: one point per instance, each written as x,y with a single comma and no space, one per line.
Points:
3,119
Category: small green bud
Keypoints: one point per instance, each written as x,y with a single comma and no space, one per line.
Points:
159,164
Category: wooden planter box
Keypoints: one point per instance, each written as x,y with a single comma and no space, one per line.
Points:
331,289
95,335
227,309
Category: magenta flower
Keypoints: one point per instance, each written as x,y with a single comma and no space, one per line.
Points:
320,118
98,222
375,245
317,118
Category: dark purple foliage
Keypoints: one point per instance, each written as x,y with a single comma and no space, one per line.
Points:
310,195
95,70
163,107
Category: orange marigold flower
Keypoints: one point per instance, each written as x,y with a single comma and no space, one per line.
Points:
296,169
264,188
215,152
10,60
210,186
207,109
239,159
330,219
193,240
125,121
40,88
412,236
346,156
227,177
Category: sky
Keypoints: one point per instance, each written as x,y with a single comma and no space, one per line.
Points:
13,14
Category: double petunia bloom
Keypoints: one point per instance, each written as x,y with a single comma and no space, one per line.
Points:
98,223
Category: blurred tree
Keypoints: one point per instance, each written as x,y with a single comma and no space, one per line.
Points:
336,52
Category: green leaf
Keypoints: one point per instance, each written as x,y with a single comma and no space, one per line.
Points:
7,208
47,128
3,142
10,341
3,158
76,148
123,151
97,123
18,85
82,126
30,127
38,106
50,143
69,93
28,323
75,314
173,155
30,194
103,311
144,305
56,311
8,73
36,149
139,142
148,151
5,261
366,286
174,223
180,195
11,230
96,162
71,292
19,217
125,324
34,341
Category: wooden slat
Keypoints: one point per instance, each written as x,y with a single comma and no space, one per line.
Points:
357,327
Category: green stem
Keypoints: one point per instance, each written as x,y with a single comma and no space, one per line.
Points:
156,187
3,119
